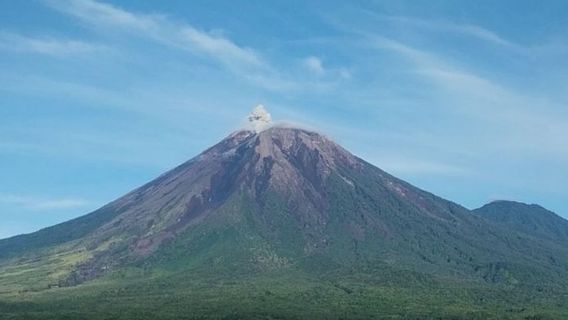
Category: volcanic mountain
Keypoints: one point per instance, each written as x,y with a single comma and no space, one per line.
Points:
284,201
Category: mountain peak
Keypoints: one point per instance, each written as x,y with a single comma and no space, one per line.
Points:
512,204
527,218
274,197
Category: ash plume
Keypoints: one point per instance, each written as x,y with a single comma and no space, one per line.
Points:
259,119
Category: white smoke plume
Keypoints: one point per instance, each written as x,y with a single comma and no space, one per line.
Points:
260,119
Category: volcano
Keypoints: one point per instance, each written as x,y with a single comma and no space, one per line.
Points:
275,203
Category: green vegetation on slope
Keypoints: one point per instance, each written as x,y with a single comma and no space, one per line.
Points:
282,225
55,235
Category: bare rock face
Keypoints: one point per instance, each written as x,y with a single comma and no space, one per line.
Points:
294,164
292,161
285,172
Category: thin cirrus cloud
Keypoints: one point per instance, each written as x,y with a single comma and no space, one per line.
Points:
549,47
159,28
531,124
316,67
242,61
47,45
42,203
314,64
447,26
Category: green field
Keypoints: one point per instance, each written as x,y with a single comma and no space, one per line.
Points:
138,294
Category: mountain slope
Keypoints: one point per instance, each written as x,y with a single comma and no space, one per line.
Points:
284,202
530,219
295,196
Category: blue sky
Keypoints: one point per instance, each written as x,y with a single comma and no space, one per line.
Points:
467,99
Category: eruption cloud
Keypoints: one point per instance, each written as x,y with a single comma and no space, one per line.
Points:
259,119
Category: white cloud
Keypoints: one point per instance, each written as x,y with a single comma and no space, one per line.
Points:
42,203
223,49
161,29
259,119
446,26
316,67
549,47
527,122
314,64
244,62
47,45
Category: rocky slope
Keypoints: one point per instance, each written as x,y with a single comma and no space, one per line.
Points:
285,198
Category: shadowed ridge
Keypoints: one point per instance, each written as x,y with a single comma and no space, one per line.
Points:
531,219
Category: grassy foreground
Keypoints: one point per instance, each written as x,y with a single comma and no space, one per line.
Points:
278,296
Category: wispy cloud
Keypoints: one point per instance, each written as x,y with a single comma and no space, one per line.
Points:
314,65
524,117
441,28
471,30
47,45
42,203
241,60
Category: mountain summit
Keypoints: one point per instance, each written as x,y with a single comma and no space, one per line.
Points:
530,219
282,200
